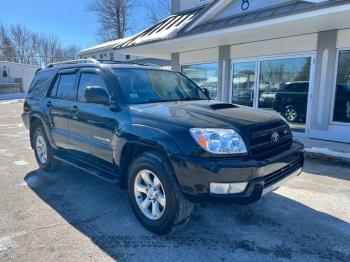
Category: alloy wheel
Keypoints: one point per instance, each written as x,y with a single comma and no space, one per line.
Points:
149,194
41,149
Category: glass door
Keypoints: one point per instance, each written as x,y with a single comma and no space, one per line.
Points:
243,83
284,88
279,84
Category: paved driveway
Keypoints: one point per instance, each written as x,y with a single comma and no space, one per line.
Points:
72,216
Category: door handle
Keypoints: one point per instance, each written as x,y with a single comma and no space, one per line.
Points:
49,104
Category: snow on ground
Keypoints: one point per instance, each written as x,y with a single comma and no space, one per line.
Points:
12,96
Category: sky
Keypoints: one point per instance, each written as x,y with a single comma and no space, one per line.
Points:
67,19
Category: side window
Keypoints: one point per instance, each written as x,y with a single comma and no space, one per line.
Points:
66,87
89,79
53,92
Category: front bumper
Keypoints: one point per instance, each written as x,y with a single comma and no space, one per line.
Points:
263,176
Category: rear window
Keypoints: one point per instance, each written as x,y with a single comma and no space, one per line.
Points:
41,83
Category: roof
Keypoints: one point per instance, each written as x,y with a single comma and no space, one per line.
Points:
166,29
105,46
180,25
263,14
18,64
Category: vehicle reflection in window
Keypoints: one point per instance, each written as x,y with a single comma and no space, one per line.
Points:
341,112
284,87
243,83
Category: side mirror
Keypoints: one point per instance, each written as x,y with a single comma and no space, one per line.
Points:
96,95
206,91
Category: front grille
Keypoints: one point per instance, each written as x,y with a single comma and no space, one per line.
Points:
261,143
282,173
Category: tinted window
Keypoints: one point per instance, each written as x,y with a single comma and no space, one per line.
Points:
148,86
41,83
66,87
89,79
53,92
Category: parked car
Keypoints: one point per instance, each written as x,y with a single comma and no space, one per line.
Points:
291,101
159,136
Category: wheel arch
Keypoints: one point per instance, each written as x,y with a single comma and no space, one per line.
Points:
34,121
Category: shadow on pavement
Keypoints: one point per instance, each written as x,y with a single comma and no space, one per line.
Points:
274,228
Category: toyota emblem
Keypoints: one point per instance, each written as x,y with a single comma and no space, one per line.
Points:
275,137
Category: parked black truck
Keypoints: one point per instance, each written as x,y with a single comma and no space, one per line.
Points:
159,136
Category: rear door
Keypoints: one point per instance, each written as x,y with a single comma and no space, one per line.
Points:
59,103
92,125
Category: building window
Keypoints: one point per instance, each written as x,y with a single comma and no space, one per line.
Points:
341,111
243,83
4,73
205,76
111,56
101,56
127,57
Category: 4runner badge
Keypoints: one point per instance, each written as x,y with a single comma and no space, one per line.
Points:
275,137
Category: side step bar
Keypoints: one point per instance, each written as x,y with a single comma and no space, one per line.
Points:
98,171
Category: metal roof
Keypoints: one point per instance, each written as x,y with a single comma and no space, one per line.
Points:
166,29
261,15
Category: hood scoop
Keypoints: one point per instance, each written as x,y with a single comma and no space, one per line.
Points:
221,106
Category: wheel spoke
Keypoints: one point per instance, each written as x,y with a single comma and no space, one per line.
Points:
145,176
141,188
156,182
145,203
155,209
161,199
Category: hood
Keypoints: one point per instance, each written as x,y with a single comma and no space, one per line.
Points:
201,114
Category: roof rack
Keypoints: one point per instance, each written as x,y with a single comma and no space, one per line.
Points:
95,61
72,62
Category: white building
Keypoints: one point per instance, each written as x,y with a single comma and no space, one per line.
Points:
15,77
291,56
106,51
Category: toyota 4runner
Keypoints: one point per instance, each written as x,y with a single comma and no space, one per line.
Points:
158,135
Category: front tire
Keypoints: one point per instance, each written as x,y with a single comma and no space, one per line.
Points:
155,196
291,114
43,150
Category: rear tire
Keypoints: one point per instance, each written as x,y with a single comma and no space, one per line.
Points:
174,209
43,150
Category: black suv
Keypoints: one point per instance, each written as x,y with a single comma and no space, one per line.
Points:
157,134
291,100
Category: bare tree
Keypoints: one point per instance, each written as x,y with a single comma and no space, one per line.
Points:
157,10
7,49
113,16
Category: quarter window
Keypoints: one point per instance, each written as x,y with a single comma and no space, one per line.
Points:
89,79
66,87
341,112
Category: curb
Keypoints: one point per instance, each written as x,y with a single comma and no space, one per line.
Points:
320,156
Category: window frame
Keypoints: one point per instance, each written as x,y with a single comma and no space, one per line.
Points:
337,123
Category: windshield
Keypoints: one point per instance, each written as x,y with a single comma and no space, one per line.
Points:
142,86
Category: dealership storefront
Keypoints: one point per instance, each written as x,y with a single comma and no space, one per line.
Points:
295,63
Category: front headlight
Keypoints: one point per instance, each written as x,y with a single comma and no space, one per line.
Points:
219,141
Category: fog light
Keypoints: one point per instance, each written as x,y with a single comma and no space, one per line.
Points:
227,188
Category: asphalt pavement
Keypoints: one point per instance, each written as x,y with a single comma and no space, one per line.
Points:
69,215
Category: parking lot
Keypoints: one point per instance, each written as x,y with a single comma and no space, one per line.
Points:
72,216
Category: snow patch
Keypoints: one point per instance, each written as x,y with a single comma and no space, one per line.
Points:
16,96
5,243
328,152
21,163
